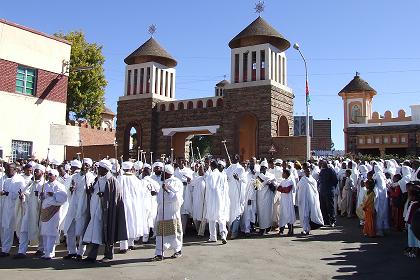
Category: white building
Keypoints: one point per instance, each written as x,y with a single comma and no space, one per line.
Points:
33,91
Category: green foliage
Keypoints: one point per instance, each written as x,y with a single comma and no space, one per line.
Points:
86,89
203,142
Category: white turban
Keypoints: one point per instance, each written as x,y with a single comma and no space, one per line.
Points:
53,172
67,167
264,163
76,163
40,167
158,164
105,164
55,162
221,162
127,165
146,165
138,165
278,161
88,161
169,169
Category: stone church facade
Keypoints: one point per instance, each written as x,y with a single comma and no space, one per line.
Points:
253,111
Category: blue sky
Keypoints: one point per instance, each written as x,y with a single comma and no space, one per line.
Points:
378,38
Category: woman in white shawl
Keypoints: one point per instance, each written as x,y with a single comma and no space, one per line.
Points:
381,201
361,192
308,203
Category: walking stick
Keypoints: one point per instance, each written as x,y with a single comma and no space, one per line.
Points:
138,153
151,158
163,208
42,189
224,143
141,155
199,154
192,151
81,146
172,156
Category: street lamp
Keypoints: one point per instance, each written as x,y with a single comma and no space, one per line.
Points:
308,137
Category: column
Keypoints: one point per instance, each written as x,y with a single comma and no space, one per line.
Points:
268,64
152,79
249,68
258,65
241,67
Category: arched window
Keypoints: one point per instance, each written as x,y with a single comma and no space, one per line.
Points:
209,103
190,105
162,107
219,102
171,107
282,126
200,104
181,106
355,113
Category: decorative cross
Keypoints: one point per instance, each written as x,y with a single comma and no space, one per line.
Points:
259,7
152,29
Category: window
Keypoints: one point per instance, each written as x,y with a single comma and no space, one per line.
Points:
402,139
361,141
25,80
162,90
21,149
148,80
141,80
394,140
386,140
200,104
156,80
262,69
181,106
369,141
254,66
209,103
236,68
128,82
355,113
245,67
377,140
135,81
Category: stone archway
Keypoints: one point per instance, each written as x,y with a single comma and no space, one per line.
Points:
248,129
132,140
282,126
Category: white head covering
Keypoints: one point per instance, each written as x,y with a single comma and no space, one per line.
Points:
158,164
53,172
169,169
76,163
264,163
138,165
105,164
67,167
40,167
127,165
88,161
278,161
55,162
146,165
32,163
221,162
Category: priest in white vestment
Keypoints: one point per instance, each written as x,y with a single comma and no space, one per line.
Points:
12,186
217,202
198,185
287,209
250,208
152,188
169,234
52,198
308,202
265,198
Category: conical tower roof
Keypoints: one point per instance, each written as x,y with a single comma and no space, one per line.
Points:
151,50
259,32
222,83
357,85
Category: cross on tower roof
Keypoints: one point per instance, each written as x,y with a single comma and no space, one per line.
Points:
259,7
152,30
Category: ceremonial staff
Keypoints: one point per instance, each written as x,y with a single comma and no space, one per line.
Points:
224,143
199,154
141,155
151,158
172,156
203,223
163,204
43,188
138,153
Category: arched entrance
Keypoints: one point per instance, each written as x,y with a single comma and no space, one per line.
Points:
282,126
132,140
248,128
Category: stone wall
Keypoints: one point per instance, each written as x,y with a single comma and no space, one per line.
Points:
292,147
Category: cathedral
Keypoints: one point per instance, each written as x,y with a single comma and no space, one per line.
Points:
253,112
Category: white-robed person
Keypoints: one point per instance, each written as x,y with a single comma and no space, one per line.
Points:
217,202
381,201
277,171
29,229
265,198
308,202
250,208
236,178
287,209
132,196
75,220
52,198
198,185
169,234
13,184
185,175
152,188
27,177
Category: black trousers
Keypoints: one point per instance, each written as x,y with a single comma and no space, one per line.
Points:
327,207
94,248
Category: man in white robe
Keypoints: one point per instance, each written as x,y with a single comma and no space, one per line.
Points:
133,195
152,188
185,174
52,198
169,233
198,185
250,208
27,177
287,209
75,221
29,229
277,171
236,178
265,199
64,179
217,202
308,202
12,186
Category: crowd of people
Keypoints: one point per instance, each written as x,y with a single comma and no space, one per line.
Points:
89,204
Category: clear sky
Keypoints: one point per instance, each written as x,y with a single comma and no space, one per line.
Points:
378,38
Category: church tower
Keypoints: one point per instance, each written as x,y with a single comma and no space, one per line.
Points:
261,103
357,98
149,79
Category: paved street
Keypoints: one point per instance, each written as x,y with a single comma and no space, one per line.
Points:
340,253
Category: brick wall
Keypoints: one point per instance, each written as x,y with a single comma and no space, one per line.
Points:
321,138
49,86
292,147
96,152
96,136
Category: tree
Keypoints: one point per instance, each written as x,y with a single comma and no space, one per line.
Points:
86,89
